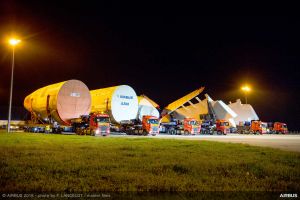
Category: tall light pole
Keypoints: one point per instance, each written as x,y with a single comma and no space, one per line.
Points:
13,42
246,89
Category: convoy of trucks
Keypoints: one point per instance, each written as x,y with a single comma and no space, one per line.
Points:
70,106
259,127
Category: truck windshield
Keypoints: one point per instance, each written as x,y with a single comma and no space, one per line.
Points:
224,124
102,119
263,125
153,121
284,126
193,123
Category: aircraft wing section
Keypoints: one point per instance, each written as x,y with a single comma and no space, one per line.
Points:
178,103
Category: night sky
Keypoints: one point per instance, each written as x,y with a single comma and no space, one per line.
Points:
163,57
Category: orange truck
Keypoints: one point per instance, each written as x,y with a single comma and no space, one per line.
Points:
258,127
280,128
187,126
222,127
191,126
149,125
93,124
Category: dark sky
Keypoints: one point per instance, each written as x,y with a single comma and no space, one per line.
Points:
164,57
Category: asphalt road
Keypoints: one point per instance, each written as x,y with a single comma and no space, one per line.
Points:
284,142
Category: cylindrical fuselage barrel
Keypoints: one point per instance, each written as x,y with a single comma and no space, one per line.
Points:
146,108
120,102
61,101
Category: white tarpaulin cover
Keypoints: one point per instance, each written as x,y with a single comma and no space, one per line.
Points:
146,108
245,112
221,110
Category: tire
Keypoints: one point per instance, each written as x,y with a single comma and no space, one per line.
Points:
257,133
78,131
186,132
171,132
219,132
92,133
145,132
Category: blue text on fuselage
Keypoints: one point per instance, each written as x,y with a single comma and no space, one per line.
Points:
124,103
126,97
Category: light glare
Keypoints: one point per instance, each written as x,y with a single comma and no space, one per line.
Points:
14,41
246,88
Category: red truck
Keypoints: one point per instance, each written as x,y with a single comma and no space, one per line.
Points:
191,126
280,128
222,127
258,127
253,127
149,125
176,127
93,124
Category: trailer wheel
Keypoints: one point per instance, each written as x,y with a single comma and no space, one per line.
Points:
92,133
219,132
186,132
145,132
171,132
78,131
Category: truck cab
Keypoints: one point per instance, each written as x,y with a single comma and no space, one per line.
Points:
258,127
280,128
150,125
93,124
191,126
100,124
222,127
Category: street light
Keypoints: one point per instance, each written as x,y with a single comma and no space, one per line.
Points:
246,89
13,42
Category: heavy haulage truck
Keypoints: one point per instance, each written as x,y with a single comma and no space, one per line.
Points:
187,126
148,126
128,112
253,127
70,106
92,124
53,107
